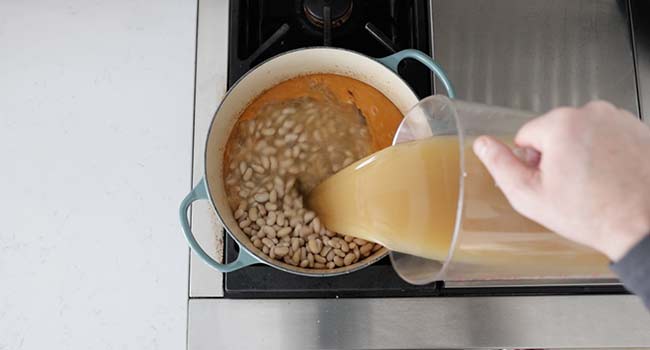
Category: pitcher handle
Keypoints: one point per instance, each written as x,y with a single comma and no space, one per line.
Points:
243,259
393,61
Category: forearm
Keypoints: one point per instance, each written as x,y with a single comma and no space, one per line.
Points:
633,270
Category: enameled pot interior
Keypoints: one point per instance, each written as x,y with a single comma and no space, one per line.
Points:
263,77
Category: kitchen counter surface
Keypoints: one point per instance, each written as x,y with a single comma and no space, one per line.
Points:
96,133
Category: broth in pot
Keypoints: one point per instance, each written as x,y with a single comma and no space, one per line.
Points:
286,142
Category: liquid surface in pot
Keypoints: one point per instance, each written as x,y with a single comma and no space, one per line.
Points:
381,116
287,141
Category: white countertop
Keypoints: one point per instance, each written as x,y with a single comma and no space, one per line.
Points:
96,103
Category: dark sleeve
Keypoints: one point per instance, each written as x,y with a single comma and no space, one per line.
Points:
634,270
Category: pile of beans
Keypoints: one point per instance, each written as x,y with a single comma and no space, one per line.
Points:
278,156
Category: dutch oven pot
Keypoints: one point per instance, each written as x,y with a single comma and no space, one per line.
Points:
379,73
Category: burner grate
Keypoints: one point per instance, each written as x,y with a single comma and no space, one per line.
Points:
261,29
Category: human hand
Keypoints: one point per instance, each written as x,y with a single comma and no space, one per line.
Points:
590,181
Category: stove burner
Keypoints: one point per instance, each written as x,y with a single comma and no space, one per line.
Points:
317,11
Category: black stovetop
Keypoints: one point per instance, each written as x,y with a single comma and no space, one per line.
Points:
261,29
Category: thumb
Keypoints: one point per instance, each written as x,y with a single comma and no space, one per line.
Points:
511,174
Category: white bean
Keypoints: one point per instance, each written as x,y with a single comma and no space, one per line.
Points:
296,257
295,244
338,252
280,220
325,250
267,151
303,253
270,218
297,229
282,251
310,259
248,174
257,243
274,163
288,260
316,225
309,215
252,213
365,249
359,241
269,231
267,242
279,186
348,259
261,197
289,184
291,137
283,232
313,246
288,123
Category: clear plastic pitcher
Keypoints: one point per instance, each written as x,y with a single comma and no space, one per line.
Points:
490,241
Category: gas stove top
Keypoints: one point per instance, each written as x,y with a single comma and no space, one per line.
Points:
261,29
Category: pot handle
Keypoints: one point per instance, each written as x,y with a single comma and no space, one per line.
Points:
243,259
393,61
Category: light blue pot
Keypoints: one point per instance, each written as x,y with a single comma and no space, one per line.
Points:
379,73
